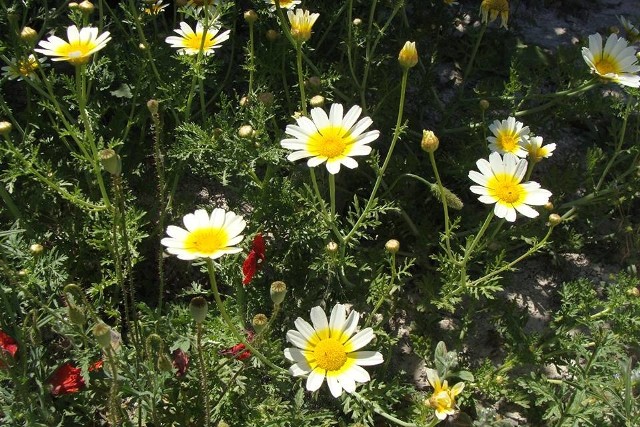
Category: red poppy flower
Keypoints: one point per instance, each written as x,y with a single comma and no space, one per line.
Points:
95,366
66,379
180,362
7,346
239,350
254,260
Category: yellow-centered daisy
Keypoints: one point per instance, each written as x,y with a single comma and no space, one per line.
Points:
190,42
205,236
23,68
443,399
153,7
333,139
509,136
329,349
284,4
500,183
78,50
616,61
490,9
536,150
301,23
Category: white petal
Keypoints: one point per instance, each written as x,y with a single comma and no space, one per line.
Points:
359,374
333,166
306,330
334,386
360,339
338,317
367,358
315,161
350,326
352,115
297,339
177,232
315,379
347,383
527,211
298,371
349,162
335,115
319,319
320,118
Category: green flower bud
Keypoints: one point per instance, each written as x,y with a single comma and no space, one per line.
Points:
278,291
392,246
259,322
102,332
198,307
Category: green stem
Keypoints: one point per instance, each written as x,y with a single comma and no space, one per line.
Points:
332,195
203,375
251,58
328,218
384,295
303,98
474,52
394,140
225,316
445,208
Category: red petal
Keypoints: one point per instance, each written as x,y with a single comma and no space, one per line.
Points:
249,268
180,362
8,344
66,379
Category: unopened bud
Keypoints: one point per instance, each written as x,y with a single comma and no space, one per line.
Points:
222,423
554,219
142,46
153,105
86,7
408,56
76,314
5,128
111,161
259,322
484,104
278,291
250,16
392,246
36,248
332,247
633,292
314,82
273,35
73,5
198,308
614,30
164,363
548,206
245,131
430,141
23,272
357,21
244,101
453,201
317,101
29,35
102,332
266,98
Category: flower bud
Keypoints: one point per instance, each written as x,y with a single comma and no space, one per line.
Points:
484,104
23,272
111,161
278,291
273,35
73,5
152,106
29,36
554,219
86,7
142,46
392,246
633,292
548,206
246,131
164,363
259,322
317,101
198,307
357,21
36,248
102,332
614,29
430,141
408,56
314,82
5,128
453,201
266,98
250,16
332,247
76,314
222,423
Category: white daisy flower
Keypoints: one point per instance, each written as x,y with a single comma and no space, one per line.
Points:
536,150
23,68
82,44
616,61
500,183
189,42
633,34
510,136
333,139
206,236
284,4
329,349
154,7
301,23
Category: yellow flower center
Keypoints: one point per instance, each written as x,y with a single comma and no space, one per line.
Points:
330,354
508,141
506,189
77,53
194,42
441,401
206,240
26,67
606,66
330,142
283,3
